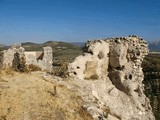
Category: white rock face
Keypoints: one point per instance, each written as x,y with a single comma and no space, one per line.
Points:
93,63
110,76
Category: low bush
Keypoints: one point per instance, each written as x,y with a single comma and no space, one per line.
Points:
32,67
61,68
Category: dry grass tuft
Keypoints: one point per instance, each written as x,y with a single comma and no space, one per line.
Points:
85,115
92,77
32,67
9,71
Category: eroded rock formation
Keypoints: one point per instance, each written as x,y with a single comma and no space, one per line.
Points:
110,74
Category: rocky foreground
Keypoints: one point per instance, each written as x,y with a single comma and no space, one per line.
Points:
105,83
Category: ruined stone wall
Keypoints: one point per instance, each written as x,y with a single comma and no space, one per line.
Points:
7,56
115,66
46,62
41,59
15,56
31,58
102,56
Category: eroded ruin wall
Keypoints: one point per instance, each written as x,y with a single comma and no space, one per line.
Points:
117,62
16,57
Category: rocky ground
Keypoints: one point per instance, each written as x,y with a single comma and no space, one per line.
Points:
37,96
105,83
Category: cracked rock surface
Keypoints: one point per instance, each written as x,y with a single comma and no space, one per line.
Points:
110,76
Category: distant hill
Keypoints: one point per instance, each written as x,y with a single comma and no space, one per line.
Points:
29,43
154,46
29,46
65,50
80,44
1,46
61,50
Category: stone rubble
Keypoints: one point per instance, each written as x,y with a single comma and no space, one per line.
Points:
110,76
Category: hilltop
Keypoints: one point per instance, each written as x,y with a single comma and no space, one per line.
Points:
104,83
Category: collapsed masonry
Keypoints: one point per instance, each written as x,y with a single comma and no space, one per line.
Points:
110,74
18,58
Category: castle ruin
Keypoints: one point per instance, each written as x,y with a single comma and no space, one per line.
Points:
110,73
16,56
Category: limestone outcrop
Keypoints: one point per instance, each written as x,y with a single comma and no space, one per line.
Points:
110,76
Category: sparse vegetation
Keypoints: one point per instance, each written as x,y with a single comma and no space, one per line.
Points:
94,77
84,114
19,63
61,50
39,104
32,67
151,68
9,71
61,68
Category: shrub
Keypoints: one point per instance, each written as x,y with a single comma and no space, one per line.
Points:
94,77
19,63
32,67
62,68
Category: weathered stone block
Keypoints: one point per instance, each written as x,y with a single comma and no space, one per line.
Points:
90,69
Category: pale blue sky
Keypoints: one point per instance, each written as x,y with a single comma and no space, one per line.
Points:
77,20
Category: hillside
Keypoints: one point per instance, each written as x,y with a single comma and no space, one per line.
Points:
154,46
80,44
30,46
151,69
61,50
3,47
